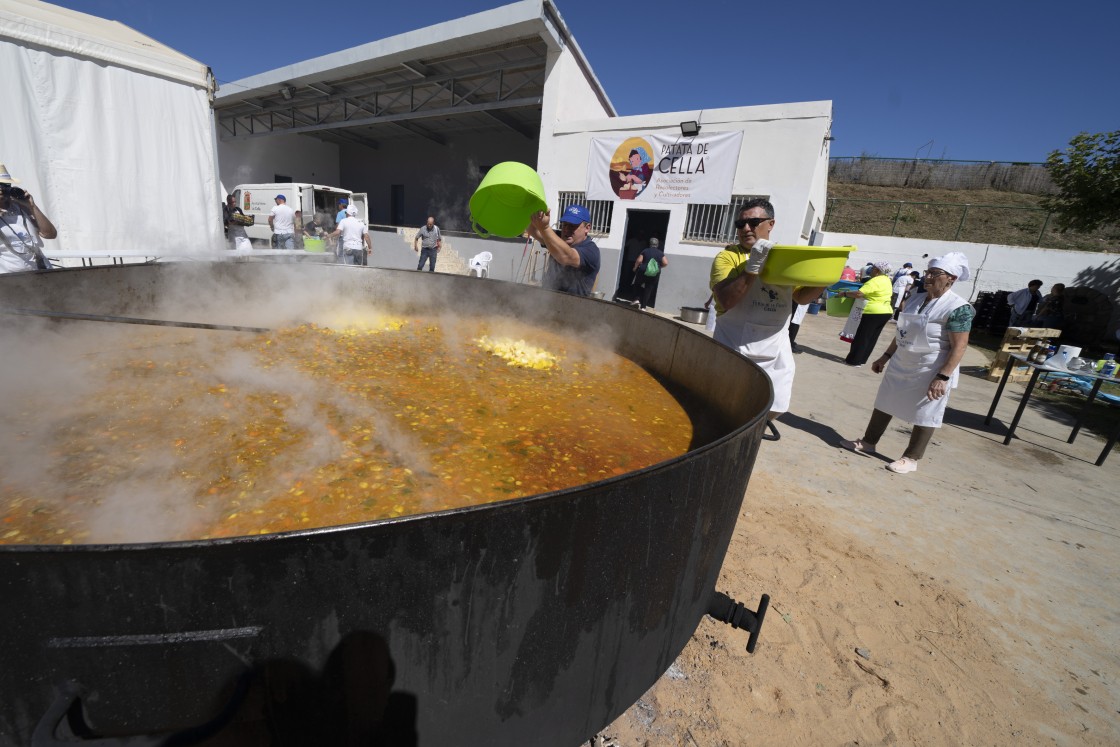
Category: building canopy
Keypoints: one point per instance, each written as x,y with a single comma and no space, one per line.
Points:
482,73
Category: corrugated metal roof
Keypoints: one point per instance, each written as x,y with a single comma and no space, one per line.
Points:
484,72
80,34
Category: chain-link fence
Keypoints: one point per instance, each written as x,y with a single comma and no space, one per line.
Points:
921,173
984,224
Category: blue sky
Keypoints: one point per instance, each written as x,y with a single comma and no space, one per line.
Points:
983,80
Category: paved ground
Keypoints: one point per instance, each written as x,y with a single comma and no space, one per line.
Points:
1028,533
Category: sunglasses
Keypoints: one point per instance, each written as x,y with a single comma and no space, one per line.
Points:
752,222
934,273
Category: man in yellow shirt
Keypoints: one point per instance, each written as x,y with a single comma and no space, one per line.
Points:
753,317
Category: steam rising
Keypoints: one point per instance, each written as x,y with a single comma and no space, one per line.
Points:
54,377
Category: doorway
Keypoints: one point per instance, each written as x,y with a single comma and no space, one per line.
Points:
641,226
396,205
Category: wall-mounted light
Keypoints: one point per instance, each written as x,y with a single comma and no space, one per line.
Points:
286,92
690,129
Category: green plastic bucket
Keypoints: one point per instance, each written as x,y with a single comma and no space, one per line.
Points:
505,201
837,306
313,245
804,265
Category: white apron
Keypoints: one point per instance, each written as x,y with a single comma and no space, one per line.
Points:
922,347
799,313
849,332
758,327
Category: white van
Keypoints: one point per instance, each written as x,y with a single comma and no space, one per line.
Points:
259,199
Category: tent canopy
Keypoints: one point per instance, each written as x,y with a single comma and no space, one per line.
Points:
32,22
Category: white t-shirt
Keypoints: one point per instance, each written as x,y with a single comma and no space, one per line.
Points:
17,253
352,232
283,219
902,283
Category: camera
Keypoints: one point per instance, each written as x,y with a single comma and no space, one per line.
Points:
12,192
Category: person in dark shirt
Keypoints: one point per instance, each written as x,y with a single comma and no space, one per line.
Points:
1050,312
647,283
573,258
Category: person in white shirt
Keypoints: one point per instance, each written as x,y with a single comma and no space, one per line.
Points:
23,226
282,221
355,238
1023,303
898,291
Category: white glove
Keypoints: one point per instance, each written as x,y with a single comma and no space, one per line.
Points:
759,252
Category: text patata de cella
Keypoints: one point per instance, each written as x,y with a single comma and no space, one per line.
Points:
682,158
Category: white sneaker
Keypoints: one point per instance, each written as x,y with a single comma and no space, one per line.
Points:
859,446
903,466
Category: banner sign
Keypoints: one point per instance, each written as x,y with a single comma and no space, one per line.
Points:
659,168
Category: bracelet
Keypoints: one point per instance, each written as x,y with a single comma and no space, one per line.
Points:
942,377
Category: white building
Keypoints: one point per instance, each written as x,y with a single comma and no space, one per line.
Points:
416,120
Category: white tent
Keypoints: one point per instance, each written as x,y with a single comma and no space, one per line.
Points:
110,131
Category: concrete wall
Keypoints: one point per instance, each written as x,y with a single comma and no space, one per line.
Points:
568,94
258,160
994,266
783,157
437,179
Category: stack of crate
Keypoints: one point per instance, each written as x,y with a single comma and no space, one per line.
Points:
1013,342
992,312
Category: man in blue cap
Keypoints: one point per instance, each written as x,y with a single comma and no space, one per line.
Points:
282,221
573,258
343,203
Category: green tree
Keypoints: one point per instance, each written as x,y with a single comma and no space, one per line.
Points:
1087,175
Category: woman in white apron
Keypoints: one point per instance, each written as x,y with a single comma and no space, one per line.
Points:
922,363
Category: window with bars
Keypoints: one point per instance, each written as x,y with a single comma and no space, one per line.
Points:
600,210
714,223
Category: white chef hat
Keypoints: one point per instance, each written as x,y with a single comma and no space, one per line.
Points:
954,263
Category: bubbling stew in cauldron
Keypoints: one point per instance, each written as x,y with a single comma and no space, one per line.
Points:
180,435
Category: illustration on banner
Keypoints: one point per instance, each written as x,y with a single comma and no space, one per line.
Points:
631,168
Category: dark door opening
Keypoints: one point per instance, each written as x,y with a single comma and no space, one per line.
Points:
641,226
396,205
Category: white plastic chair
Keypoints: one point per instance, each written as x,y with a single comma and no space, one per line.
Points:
480,264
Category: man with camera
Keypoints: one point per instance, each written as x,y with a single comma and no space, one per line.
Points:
23,226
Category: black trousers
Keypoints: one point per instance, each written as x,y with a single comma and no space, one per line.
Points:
867,334
647,289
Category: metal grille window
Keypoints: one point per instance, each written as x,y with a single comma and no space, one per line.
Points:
600,210
714,223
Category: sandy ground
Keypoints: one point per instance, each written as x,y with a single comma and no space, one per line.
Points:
981,592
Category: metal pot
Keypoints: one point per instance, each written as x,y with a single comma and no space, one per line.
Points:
694,314
531,621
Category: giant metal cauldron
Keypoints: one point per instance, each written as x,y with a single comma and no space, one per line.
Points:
531,621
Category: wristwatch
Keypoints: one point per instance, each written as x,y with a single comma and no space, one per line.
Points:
942,377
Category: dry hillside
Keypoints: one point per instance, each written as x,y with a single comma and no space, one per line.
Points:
991,217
